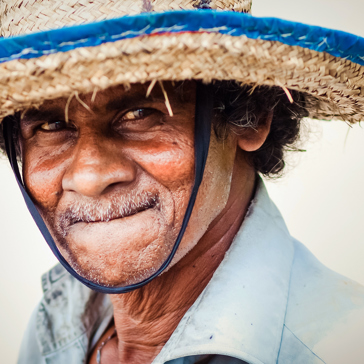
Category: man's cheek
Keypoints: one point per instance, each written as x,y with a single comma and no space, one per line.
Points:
169,166
44,183
44,190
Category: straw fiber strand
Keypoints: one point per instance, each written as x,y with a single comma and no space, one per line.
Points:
26,16
334,86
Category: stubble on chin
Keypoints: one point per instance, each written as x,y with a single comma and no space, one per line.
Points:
89,211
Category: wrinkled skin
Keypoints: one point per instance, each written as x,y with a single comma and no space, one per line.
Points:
113,185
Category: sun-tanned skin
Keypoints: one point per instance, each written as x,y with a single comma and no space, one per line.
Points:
113,186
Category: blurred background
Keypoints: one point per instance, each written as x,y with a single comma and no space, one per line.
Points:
321,194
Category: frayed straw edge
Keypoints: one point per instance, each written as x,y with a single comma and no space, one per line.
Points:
290,98
168,105
150,88
67,107
83,103
94,93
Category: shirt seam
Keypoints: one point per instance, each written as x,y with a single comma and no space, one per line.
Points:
288,294
233,352
304,344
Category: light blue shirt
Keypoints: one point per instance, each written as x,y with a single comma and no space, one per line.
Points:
269,302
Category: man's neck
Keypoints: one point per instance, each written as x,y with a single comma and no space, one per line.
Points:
146,318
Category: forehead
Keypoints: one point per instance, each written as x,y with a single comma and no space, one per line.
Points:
115,98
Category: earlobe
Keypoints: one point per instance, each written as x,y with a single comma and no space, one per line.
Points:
253,138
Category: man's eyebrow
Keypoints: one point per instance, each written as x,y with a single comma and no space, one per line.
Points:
116,103
125,102
34,115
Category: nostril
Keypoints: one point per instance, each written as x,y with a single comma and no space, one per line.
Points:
111,186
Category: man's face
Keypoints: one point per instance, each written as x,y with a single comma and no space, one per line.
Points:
113,184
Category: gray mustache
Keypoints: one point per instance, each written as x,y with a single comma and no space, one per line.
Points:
100,211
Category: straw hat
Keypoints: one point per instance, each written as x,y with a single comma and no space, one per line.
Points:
208,40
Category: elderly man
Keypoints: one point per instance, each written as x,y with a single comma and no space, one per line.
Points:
144,182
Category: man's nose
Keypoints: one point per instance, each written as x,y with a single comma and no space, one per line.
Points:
97,165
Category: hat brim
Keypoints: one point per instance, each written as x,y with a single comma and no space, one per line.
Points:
327,65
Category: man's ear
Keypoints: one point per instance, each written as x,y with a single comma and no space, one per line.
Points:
253,138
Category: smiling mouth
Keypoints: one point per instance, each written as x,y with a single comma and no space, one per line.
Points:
116,208
130,212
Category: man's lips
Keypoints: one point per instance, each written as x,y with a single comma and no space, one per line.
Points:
97,212
127,230
129,211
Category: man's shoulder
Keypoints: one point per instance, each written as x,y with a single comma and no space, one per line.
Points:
325,311
65,319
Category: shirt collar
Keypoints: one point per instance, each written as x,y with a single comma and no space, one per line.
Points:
240,313
242,310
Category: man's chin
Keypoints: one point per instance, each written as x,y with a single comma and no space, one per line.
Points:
110,278
105,274
118,262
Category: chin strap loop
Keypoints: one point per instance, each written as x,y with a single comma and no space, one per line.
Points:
203,118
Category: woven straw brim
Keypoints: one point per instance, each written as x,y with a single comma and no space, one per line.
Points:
334,87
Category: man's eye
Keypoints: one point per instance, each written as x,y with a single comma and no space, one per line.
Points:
54,125
138,121
137,114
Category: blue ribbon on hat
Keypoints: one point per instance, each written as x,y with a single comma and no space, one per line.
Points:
334,42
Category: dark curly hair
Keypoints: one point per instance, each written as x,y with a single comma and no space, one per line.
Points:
238,107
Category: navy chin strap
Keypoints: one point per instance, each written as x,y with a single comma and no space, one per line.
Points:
203,118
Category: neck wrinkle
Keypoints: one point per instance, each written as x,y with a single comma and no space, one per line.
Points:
146,318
